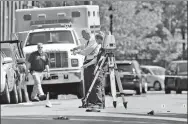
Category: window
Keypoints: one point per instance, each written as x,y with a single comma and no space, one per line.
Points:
89,14
93,13
182,67
7,52
50,37
75,14
35,38
146,71
124,67
158,71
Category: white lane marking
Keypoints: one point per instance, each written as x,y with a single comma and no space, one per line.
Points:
27,103
93,120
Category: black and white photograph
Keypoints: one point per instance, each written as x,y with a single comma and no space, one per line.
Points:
93,61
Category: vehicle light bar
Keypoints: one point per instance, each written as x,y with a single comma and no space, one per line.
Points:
41,16
39,22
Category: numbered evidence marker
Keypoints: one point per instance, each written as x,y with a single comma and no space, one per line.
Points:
163,106
184,105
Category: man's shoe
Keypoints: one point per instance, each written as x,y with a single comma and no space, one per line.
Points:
92,110
35,100
81,106
97,107
88,105
42,97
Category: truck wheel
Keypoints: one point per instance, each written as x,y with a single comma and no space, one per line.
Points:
157,86
80,90
178,91
14,95
6,95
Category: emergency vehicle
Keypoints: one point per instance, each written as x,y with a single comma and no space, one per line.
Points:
59,29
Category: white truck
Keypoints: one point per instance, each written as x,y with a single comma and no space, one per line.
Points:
59,29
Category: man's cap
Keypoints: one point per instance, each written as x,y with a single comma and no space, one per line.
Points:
86,30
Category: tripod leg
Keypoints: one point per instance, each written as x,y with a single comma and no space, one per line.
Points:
120,86
112,81
84,100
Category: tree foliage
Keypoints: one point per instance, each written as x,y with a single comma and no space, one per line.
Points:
147,27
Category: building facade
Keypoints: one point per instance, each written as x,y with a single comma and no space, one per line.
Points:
7,17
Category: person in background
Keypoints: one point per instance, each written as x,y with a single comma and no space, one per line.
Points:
38,61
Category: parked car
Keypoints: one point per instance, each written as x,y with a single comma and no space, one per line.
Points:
131,76
13,87
155,76
176,77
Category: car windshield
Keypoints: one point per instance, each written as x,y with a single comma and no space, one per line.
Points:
6,51
124,67
182,67
50,37
158,71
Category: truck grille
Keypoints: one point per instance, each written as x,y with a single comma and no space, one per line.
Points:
58,59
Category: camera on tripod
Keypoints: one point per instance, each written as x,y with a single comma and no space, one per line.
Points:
109,43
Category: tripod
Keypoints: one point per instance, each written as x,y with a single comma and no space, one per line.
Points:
113,73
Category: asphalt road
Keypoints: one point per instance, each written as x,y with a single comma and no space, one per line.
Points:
168,109
85,120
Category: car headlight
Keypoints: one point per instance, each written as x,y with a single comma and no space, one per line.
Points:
74,62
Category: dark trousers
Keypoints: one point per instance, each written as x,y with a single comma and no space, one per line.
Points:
96,96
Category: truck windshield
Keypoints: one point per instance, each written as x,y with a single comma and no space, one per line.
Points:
62,37
6,51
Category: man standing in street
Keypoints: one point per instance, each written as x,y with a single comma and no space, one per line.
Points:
37,62
90,51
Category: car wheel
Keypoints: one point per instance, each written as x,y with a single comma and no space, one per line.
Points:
157,86
178,91
19,91
6,94
149,88
14,95
139,89
25,97
80,90
167,91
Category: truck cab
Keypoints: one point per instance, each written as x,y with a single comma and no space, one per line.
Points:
64,67
59,29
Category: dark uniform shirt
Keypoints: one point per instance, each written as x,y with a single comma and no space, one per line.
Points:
38,61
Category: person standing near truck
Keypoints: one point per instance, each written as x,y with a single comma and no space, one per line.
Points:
38,61
90,51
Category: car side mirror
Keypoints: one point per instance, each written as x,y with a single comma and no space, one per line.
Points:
7,60
21,61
